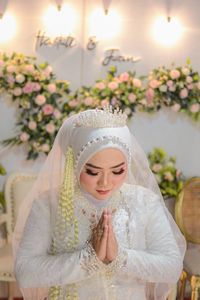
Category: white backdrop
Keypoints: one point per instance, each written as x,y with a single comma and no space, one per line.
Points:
176,133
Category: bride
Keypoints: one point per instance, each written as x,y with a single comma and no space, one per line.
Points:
95,226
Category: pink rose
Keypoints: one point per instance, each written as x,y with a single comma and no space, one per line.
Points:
88,101
36,87
1,63
149,96
50,128
189,79
45,148
190,86
183,93
47,109
198,85
24,136
51,88
132,97
32,125
40,99
176,107
20,78
137,82
29,68
170,83
195,107
28,88
57,114
100,85
123,77
47,72
10,79
104,102
11,69
154,83
17,91
73,103
174,74
113,85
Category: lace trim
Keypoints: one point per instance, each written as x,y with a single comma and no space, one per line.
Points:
92,212
92,264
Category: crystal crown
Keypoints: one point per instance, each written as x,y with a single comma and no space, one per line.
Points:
101,118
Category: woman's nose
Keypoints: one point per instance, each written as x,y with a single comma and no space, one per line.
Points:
104,179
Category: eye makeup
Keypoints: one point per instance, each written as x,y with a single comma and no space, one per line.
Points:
92,173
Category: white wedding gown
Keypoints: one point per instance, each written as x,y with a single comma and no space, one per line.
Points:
148,252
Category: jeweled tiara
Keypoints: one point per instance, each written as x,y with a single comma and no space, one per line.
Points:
101,118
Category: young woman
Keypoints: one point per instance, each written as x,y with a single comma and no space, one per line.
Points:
95,226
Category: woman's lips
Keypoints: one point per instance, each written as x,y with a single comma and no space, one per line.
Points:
101,192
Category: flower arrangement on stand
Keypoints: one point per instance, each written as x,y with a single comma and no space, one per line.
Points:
177,88
39,97
169,178
125,91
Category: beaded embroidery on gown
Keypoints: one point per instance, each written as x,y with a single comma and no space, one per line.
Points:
146,248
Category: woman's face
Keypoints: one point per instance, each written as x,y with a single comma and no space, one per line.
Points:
104,173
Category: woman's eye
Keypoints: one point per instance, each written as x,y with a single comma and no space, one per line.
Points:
119,172
89,172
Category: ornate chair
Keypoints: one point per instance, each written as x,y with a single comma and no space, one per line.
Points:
187,215
16,187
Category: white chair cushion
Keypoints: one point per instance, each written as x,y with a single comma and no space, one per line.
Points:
192,259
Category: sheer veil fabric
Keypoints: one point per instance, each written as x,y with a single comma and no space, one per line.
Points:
87,137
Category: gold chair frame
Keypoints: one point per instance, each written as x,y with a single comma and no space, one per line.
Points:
194,279
9,217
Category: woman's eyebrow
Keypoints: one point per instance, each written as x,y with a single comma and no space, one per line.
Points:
93,166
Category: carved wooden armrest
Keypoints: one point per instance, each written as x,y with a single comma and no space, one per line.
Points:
3,218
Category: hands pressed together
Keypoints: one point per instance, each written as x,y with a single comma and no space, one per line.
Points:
103,239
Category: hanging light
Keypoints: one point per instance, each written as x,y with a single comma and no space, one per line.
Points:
167,31
106,5
7,27
59,4
104,26
60,21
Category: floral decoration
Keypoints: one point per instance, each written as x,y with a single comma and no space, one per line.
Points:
168,176
125,91
43,101
39,97
175,87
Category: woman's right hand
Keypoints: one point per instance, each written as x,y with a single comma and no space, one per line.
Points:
100,236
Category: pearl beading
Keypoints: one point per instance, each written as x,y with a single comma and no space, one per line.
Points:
104,139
